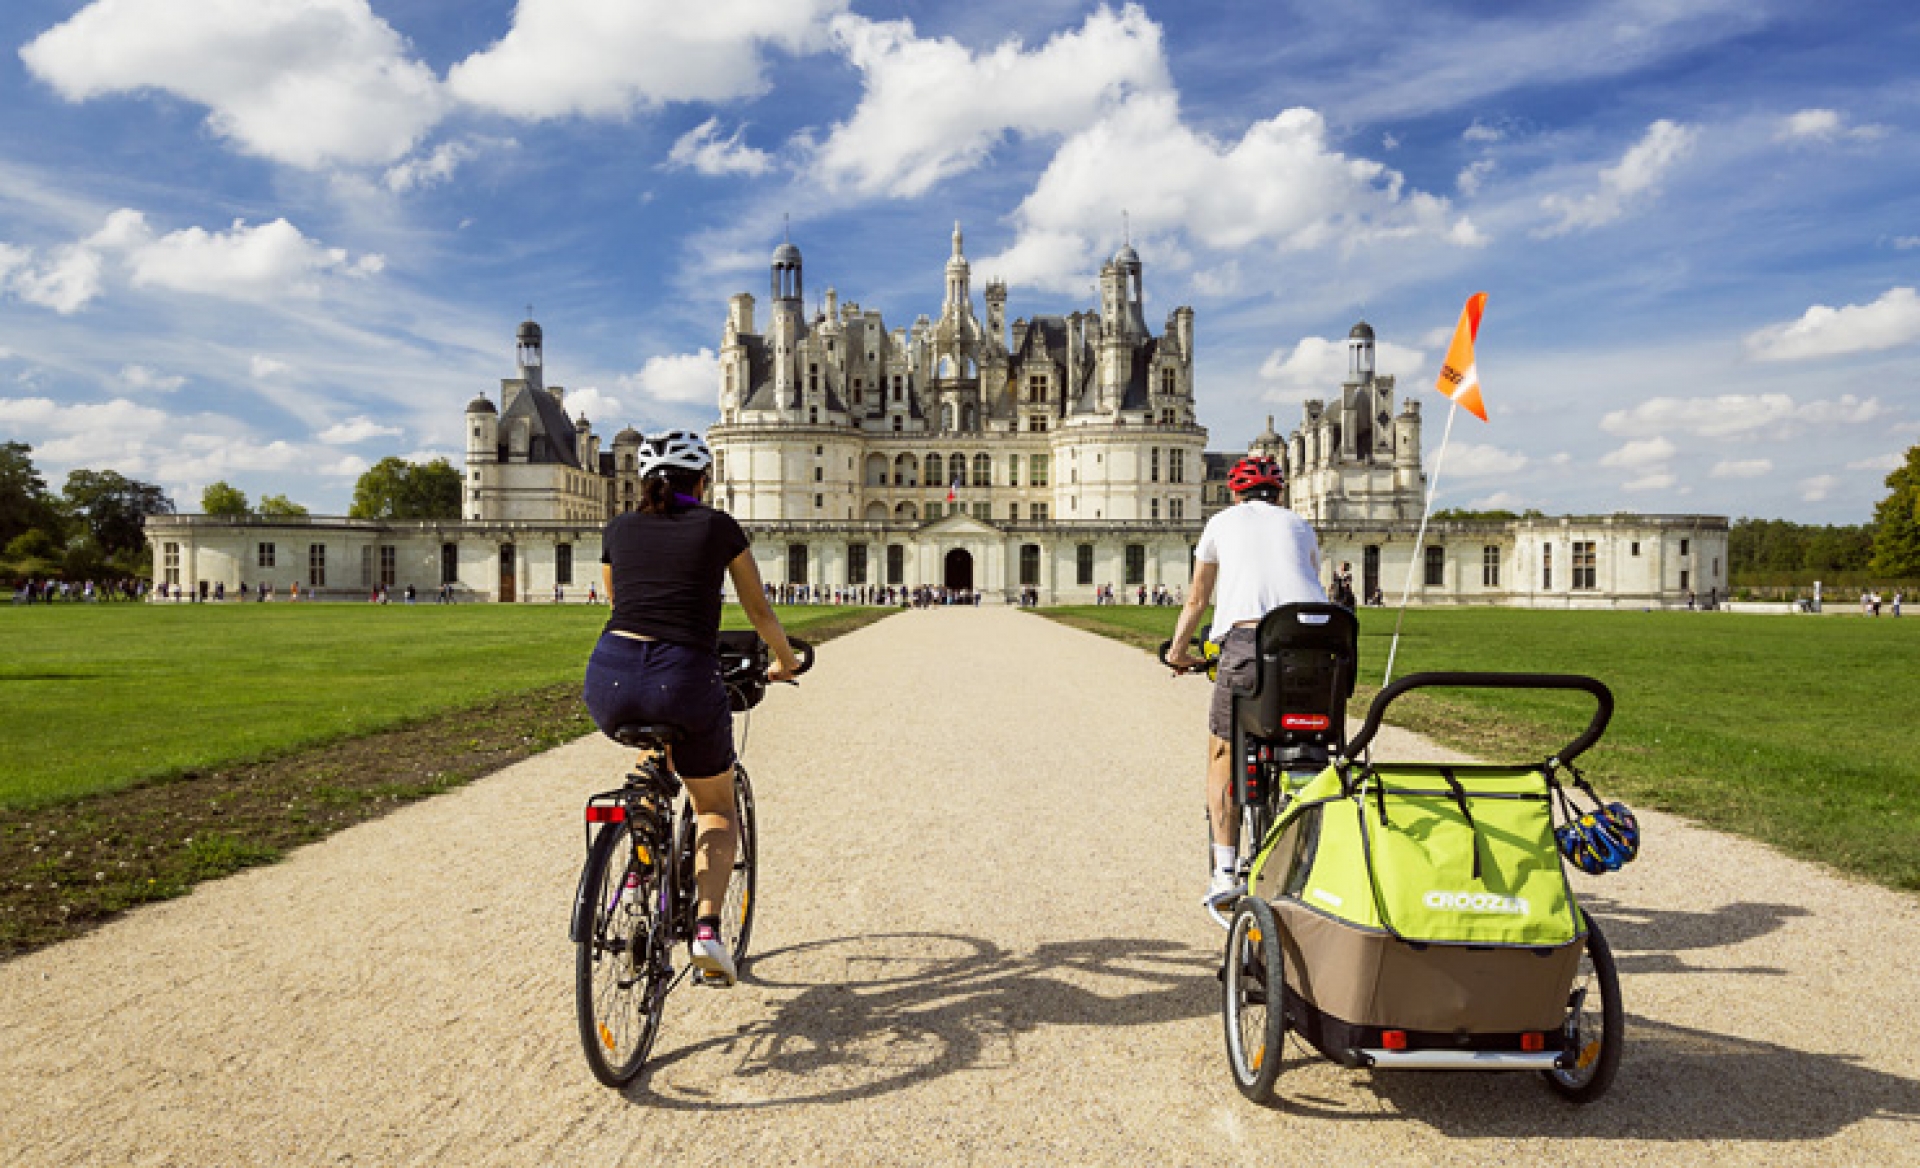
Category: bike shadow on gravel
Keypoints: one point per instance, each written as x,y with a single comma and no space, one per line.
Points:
860,1017
1676,1082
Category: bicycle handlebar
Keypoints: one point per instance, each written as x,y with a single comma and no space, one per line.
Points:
744,666
1602,696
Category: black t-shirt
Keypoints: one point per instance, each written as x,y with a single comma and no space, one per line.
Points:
667,573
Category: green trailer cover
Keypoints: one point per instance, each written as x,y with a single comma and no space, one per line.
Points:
1443,855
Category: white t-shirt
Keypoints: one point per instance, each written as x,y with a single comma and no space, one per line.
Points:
1267,556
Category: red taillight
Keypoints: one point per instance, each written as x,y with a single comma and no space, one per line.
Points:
1304,721
1393,1039
1533,1043
611,814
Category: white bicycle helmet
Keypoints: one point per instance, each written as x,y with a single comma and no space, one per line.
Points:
674,450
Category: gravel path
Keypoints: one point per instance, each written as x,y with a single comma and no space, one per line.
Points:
978,942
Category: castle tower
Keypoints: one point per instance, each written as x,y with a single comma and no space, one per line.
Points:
483,455
1360,353
996,316
528,353
788,327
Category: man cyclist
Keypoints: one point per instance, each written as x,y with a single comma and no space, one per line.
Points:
1261,555
657,661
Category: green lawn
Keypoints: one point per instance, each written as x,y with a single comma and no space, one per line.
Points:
1798,731
99,697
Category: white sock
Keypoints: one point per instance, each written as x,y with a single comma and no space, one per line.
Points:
1226,857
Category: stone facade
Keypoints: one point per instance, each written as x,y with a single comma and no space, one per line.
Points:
1058,453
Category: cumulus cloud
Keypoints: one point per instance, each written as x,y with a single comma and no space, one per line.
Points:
678,378
1468,460
597,406
1637,173
310,83
1824,125
356,429
587,57
1316,366
1730,415
143,379
1281,185
1643,452
1660,480
1749,468
1473,175
909,131
1821,331
702,149
268,262
1887,463
1817,488
439,165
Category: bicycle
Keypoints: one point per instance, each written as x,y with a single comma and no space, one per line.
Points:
636,902
1285,728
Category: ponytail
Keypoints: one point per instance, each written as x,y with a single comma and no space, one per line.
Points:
658,491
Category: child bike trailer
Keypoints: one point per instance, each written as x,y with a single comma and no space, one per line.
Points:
1417,916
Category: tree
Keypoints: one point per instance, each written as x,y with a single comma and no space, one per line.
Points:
114,508
1896,536
223,498
279,506
394,488
24,503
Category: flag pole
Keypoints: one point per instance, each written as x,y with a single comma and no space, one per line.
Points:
1413,563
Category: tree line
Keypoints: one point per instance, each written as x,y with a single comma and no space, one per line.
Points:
94,527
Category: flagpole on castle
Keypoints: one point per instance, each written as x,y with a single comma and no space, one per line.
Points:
1460,381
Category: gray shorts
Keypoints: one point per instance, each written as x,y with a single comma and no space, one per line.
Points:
1236,673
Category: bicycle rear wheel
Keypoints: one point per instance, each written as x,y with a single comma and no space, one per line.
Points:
620,966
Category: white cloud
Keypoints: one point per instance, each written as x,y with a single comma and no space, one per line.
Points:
1660,480
1281,185
261,367
1500,501
1467,460
268,262
421,172
1389,142
1817,488
932,108
1729,415
1824,125
678,378
1906,242
599,407
356,429
309,83
1879,462
1316,366
139,377
588,57
1821,331
1481,132
703,149
1644,452
1749,468
1638,172
1473,175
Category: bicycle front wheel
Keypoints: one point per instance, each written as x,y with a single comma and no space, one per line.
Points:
620,965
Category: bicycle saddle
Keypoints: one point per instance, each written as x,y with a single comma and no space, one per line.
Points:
644,735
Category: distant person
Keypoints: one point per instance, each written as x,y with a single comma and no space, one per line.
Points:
1897,597
1343,585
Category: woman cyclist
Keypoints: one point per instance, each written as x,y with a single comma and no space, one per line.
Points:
657,660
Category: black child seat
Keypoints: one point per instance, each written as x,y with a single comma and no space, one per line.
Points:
1306,656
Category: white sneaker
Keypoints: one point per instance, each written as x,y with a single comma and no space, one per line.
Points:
1223,888
711,958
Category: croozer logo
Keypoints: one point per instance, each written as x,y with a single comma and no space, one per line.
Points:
1477,902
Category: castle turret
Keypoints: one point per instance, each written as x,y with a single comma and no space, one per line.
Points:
528,353
789,326
1360,353
483,453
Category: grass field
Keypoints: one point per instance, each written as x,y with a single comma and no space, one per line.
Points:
101,697
1797,731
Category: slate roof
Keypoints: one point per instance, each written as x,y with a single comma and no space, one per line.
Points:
551,431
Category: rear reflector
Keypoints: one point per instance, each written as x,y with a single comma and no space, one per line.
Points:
1533,1042
1304,721
1393,1039
614,814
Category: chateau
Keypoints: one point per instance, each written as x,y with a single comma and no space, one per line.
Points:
1053,453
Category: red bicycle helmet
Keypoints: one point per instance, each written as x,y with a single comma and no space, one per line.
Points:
1250,473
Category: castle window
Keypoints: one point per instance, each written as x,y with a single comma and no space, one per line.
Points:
1176,466
819,501
1490,566
1436,567
563,564
317,565
1154,505
1636,547
1039,512
1037,388
1037,471
1684,544
1176,509
981,512
1037,424
387,565
1013,470
449,563
982,470
796,563
1584,565
813,415
1166,381
896,564
896,390
1013,512
264,557
858,396
1136,565
818,474
936,471
896,423
1029,565
1083,565
171,554
1154,476
1546,566
933,511
857,564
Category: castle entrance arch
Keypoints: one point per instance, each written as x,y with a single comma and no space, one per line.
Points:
959,570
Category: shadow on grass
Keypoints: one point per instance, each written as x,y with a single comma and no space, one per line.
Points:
878,1014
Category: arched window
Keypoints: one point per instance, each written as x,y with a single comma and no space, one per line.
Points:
905,473
907,512
936,471
982,470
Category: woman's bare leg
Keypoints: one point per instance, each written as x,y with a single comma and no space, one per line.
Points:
713,843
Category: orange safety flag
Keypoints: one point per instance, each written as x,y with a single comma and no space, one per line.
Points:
1460,376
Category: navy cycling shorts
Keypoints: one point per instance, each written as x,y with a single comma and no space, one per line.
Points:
656,681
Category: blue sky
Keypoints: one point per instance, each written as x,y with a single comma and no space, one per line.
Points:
271,241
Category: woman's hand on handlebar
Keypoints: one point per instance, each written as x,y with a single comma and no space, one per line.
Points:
796,664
